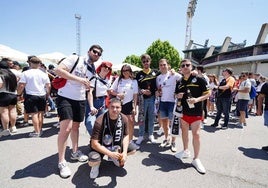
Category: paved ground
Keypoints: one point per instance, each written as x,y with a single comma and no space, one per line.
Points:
232,157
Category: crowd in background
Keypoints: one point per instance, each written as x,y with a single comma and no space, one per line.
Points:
27,93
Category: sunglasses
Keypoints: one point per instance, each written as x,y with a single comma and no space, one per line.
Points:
185,65
106,67
243,75
145,61
96,52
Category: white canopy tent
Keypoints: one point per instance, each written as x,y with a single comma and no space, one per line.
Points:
53,57
117,67
15,55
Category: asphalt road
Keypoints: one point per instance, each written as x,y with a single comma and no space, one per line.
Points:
232,158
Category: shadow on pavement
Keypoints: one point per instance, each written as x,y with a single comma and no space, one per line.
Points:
254,153
48,131
40,169
166,162
107,171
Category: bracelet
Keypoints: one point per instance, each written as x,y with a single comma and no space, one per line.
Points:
19,95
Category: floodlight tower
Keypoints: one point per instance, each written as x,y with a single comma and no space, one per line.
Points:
78,18
189,16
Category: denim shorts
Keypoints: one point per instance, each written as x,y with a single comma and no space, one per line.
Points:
242,104
166,110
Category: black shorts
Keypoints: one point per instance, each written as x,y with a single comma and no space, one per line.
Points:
127,108
7,99
34,103
70,109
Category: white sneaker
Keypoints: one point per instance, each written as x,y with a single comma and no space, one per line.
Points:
173,147
133,146
65,171
13,129
198,166
160,131
140,139
183,154
57,125
165,143
79,156
94,171
5,132
151,138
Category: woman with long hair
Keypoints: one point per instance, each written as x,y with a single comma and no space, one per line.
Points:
8,100
99,85
213,83
126,89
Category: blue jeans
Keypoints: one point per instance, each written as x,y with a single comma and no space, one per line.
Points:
90,119
223,106
51,103
265,115
148,106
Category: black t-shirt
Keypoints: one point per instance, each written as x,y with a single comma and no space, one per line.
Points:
264,90
147,81
197,87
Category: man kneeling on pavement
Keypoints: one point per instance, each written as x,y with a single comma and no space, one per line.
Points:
109,137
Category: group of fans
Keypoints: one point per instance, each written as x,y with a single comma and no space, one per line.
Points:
108,105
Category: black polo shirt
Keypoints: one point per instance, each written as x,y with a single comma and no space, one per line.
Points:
197,87
147,81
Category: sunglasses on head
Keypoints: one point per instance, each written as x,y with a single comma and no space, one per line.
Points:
185,65
96,52
145,61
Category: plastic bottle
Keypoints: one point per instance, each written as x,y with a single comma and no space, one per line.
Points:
189,96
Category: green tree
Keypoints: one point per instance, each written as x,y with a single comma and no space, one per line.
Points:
159,50
133,60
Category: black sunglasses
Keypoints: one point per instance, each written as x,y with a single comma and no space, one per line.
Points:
107,67
145,61
185,65
96,52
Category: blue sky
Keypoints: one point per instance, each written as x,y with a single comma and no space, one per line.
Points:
125,27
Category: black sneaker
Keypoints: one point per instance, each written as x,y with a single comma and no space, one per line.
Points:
224,127
214,125
265,148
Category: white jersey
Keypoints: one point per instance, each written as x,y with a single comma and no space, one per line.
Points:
35,81
74,90
167,82
127,86
101,86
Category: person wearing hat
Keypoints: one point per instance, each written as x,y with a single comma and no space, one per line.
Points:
37,87
99,85
224,97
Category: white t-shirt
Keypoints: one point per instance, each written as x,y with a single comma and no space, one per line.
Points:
127,86
74,90
35,81
101,87
16,72
244,84
167,82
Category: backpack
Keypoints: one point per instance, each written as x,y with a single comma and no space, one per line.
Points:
253,92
